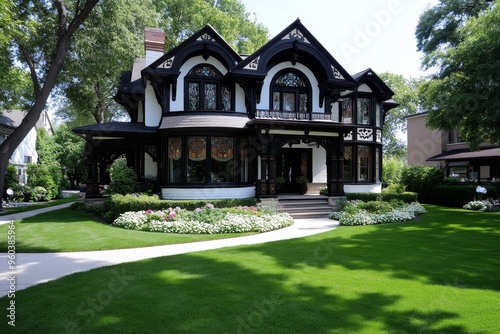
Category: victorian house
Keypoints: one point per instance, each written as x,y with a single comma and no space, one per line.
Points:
207,122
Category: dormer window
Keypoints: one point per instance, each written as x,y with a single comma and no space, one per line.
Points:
290,92
204,90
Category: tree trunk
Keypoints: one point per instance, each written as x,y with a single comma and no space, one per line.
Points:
65,34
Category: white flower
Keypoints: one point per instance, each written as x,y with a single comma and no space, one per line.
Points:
481,190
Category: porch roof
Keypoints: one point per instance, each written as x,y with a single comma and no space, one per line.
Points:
205,120
467,154
114,128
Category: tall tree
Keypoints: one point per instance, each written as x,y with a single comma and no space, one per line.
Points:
14,81
70,154
438,27
181,18
406,94
41,42
464,94
115,29
89,96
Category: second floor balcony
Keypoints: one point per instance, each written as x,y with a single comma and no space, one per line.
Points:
293,115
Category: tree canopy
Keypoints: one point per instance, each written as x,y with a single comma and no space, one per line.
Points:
103,48
89,89
438,26
464,94
38,45
406,94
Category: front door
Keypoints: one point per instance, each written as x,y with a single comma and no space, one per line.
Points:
292,163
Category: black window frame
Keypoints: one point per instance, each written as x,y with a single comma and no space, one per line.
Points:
202,81
290,89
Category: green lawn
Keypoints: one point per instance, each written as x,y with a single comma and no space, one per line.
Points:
67,231
436,275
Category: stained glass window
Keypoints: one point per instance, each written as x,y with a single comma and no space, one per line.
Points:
174,159
194,96
197,154
288,101
364,107
276,101
290,80
210,96
222,159
347,170
226,98
290,93
204,91
205,71
364,154
346,110
303,102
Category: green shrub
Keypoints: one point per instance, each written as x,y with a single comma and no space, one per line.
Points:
459,195
11,177
422,180
46,176
395,188
117,204
123,178
406,197
365,197
391,170
78,206
376,206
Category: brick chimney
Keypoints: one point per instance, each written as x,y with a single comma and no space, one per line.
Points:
154,44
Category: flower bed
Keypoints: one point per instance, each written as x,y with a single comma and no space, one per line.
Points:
206,220
370,213
489,205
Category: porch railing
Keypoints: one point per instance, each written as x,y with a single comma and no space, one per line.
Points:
291,115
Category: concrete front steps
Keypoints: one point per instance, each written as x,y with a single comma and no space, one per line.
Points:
305,206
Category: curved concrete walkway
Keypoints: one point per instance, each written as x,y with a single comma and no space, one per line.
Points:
36,268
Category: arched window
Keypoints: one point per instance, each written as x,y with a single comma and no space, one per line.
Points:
204,91
290,92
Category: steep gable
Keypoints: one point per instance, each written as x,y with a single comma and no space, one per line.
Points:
296,44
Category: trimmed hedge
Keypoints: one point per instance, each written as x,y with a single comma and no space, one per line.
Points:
459,195
117,204
422,180
407,197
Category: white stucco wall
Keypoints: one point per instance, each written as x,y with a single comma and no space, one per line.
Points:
363,188
207,193
152,115
150,167
26,148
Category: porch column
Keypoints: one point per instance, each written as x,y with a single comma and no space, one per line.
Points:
263,191
92,184
272,175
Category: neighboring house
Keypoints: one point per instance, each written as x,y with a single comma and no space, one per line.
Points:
445,149
207,122
25,153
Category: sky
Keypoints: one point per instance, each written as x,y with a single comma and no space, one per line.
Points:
359,34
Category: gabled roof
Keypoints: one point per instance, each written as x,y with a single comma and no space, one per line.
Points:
206,42
370,78
11,119
295,43
114,128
